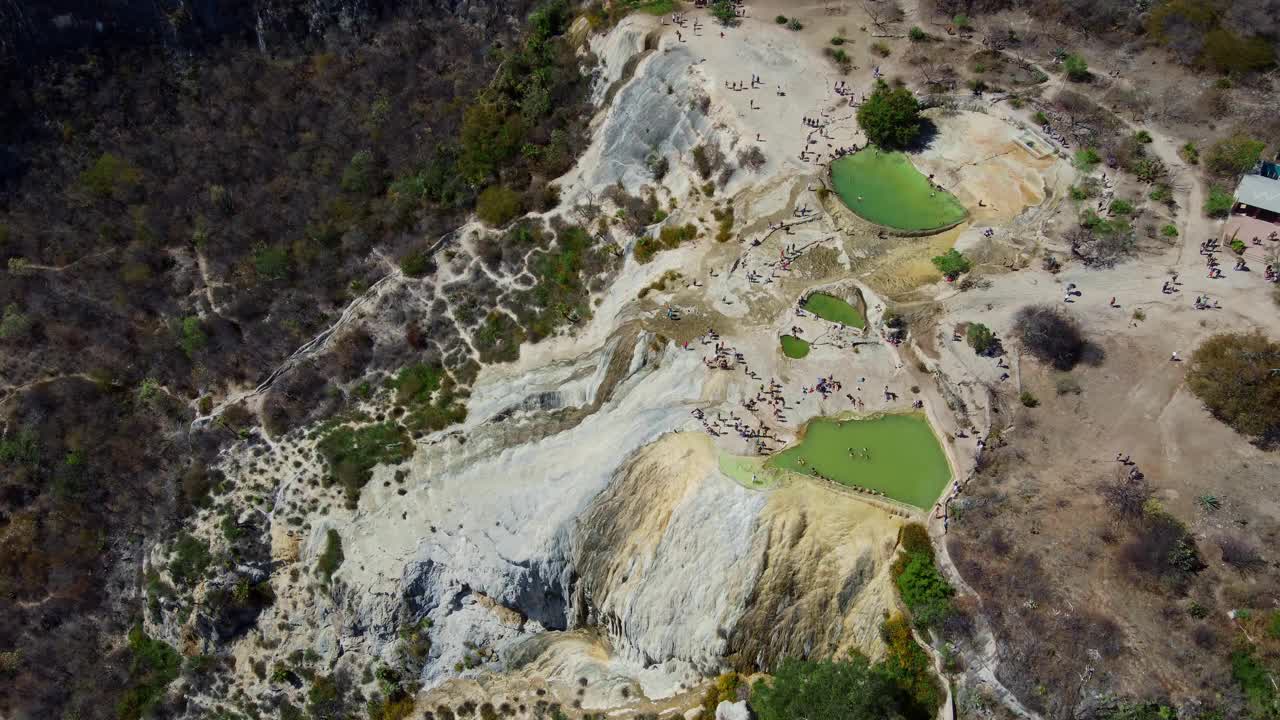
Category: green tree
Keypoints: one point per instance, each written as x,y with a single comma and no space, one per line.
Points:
1077,69
1234,155
924,590
952,264
1235,376
1218,202
980,338
110,176
890,117
153,664
723,11
498,205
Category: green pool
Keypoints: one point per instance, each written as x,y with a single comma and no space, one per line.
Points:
903,458
833,309
793,347
885,188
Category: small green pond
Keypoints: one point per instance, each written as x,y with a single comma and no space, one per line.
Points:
903,458
885,188
793,347
833,309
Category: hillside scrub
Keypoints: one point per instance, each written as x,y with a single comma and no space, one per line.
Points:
850,689
1234,376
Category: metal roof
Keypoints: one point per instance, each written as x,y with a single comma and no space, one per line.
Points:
1260,192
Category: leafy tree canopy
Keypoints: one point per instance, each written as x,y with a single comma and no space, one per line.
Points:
890,117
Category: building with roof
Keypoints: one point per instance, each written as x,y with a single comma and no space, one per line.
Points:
1258,195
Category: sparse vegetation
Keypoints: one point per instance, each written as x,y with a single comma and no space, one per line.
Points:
1049,336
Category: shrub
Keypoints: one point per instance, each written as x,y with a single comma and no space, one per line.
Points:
1143,137
952,264
1040,118
962,22
909,666
794,24
1077,69
1028,399
1234,375
415,263
1218,202
837,40
1237,246
498,205
1049,336
1190,153
915,34
1234,155
781,20
1121,207
331,558
192,338
1126,497
1161,194
1086,159
880,49
980,338
191,558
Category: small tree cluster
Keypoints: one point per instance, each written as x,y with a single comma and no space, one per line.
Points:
890,117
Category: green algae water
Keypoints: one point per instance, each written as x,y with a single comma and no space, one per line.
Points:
903,458
833,309
885,188
793,347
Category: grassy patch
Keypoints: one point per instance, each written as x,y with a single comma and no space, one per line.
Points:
352,453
